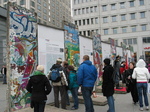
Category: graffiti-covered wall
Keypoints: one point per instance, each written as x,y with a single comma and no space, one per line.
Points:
71,44
23,53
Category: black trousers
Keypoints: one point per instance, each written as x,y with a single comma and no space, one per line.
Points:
134,92
39,106
62,91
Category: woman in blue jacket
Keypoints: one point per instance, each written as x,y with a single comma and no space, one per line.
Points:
73,86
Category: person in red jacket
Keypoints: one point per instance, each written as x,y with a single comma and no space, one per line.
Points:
122,68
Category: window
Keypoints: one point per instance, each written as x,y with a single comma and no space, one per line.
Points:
83,10
97,31
83,21
129,41
79,22
141,2
92,22
104,7
105,31
88,32
133,28
124,29
39,1
131,3
91,9
105,20
142,14
95,8
122,5
44,5
79,11
32,4
22,2
134,41
75,12
45,11
123,17
84,33
125,41
39,7
146,39
88,22
143,27
45,18
39,14
80,32
113,6
114,19
132,15
96,20
114,30
116,42
76,23
87,10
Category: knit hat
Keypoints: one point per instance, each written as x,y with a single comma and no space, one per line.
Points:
59,60
40,68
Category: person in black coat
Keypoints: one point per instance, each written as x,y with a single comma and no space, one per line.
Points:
39,87
108,84
3,72
131,83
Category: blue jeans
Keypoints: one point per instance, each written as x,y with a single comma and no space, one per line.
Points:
110,100
74,92
4,79
142,91
87,92
39,106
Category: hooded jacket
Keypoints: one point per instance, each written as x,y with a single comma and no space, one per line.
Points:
87,74
141,73
39,86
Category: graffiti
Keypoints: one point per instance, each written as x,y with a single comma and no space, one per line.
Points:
71,44
23,53
113,48
97,52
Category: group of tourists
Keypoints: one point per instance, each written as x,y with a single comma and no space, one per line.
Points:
64,77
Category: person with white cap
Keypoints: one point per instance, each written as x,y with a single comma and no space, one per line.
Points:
39,87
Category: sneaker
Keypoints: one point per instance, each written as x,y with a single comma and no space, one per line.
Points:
141,109
73,108
147,108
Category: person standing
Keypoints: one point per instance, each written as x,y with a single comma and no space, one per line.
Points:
141,74
39,86
117,71
86,77
73,86
131,83
108,84
3,72
59,85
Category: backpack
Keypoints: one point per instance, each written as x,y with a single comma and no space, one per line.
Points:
55,75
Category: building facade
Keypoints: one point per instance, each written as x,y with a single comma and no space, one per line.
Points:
49,12
126,21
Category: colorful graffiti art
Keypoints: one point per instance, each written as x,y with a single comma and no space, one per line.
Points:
72,44
23,53
97,52
113,48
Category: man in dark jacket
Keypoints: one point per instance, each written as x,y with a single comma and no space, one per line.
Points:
39,86
86,76
3,72
108,84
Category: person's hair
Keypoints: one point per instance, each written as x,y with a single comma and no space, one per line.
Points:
40,68
70,67
86,57
65,63
132,64
107,61
59,60
122,62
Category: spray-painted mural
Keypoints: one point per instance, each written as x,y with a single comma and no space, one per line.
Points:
97,52
113,48
71,44
23,53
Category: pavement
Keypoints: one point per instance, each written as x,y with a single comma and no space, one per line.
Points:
123,103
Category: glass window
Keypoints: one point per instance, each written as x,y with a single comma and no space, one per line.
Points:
44,5
79,22
105,31
123,17
84,33
113,6
104,7
143,27
91,9
97,31
5,0
39,1
39,14
122,5
114,19
83,10
95,8
79,11
124,29
134,41
125,41
75,12
87,10
32,4
105,20
141,2
22,2
76,23
96,20
114,30
39,7
45,17
132,15
92,22
133,28
88,22
146,39
45,11
88,32
142,14
129,41
131,3
83,21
